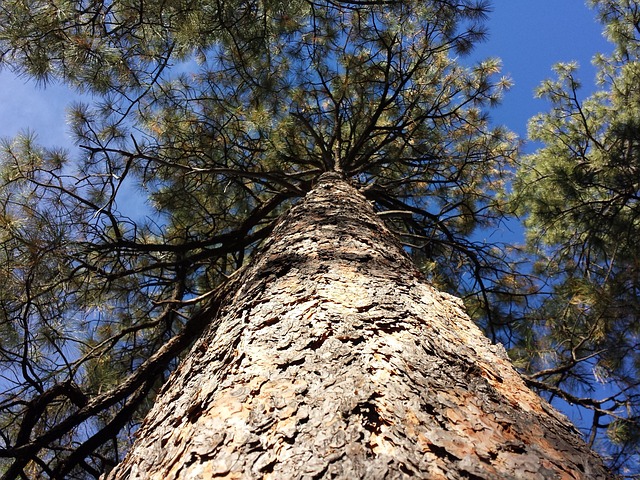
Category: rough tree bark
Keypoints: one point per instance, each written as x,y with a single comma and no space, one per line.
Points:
334,359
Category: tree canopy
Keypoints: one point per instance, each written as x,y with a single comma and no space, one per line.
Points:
579,192
216,117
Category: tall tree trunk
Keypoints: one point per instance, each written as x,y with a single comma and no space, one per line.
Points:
334,359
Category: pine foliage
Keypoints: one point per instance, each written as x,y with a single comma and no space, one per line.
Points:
580,194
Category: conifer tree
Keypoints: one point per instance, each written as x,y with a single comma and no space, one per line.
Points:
203,123
333,358
580,194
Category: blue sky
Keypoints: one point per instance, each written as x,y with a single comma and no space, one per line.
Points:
24,105
528,35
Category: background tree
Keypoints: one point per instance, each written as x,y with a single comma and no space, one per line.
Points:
580,193
217,117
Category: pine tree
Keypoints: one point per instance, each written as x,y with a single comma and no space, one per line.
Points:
333,358
218,117
580,194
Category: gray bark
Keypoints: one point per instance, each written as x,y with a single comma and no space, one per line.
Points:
335,359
